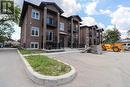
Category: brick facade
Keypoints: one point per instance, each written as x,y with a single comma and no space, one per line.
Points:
50,24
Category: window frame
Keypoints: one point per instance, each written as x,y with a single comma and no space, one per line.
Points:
48,38
34,43
62,26
35,29
76,26
128,44
33,14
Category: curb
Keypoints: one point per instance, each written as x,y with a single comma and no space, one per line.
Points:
49,81
50,51
4,49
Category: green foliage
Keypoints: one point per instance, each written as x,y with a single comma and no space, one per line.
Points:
24,51
111,36
11,17
6,24
128,32
47,66
2,39
6,31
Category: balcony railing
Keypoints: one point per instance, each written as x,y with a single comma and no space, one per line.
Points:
75,30
54,45
51,22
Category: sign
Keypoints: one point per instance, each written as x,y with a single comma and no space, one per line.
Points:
6,7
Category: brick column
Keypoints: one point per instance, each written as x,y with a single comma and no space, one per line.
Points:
100,37
58,34
72,36
79,32
93,36
44,27
87,37
96,37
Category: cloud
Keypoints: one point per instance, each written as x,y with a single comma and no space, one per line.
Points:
101,25
111,27
121,18
70,7
90,8
105,12
89,21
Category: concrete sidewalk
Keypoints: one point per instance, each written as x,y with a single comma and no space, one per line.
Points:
12,72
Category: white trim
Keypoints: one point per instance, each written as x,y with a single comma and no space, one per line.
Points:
63,33
34,44
62,26
35,29
51,37
35,12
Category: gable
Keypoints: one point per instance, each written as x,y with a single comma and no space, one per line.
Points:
52,7
77,18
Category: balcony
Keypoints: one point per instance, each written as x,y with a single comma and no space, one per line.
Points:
69,30
90,35
51,22
75,30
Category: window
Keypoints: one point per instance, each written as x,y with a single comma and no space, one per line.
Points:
35,31
124,44
50,21
49,36
97,34
34,45
76,27
35,14
61,26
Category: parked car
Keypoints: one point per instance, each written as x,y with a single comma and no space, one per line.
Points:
1,45
126,46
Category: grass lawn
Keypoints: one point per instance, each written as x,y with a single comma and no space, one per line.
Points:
47,66
24,51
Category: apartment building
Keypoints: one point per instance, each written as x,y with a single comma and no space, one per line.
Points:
44,27
90,35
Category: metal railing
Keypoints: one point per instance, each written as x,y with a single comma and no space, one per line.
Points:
54,45
51,22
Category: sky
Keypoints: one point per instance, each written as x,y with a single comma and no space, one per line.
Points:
104,13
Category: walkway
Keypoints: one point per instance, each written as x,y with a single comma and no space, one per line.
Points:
12,72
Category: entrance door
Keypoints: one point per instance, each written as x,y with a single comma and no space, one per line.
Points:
62,37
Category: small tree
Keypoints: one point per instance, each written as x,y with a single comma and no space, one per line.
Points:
6,24
128,32
111,36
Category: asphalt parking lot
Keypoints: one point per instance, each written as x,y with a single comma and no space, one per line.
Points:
107,70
